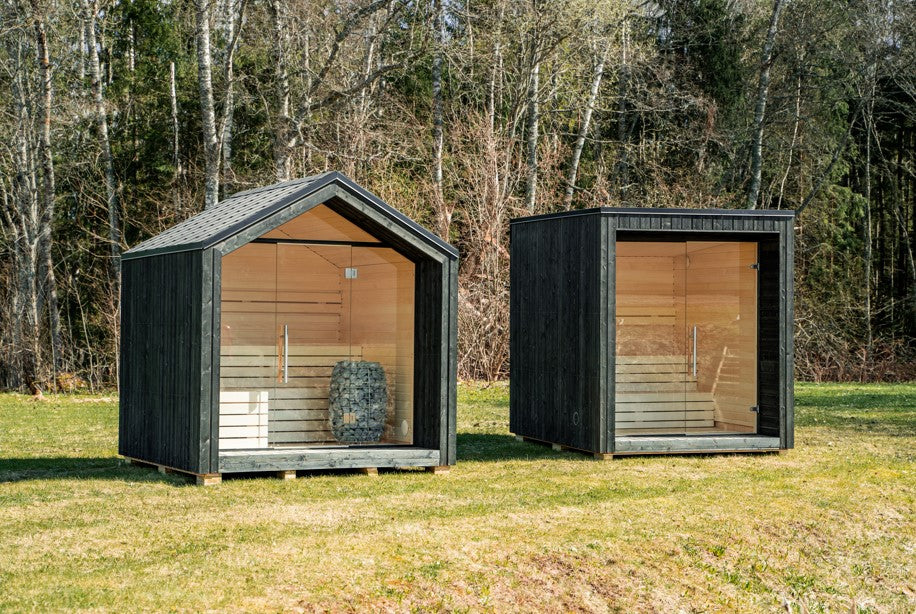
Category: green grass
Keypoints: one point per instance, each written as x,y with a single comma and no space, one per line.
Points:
514,526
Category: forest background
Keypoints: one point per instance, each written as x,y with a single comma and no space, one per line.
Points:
120,118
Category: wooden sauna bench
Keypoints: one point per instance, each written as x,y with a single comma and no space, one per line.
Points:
284,414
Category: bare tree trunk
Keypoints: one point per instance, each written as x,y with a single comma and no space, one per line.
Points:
28,229
911,267
869,128
443,213
622,171
583,130
48,189
763,89
178,171
101,118
208,115
233,17
532,132
284,137
83,50
785,176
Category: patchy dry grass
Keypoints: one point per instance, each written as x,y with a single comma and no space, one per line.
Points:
513,527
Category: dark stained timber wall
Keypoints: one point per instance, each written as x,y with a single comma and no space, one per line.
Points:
557,353
160,378
436,366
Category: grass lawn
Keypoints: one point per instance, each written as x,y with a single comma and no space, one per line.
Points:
514,526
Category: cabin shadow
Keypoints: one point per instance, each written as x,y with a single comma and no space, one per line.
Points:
84,468
493,447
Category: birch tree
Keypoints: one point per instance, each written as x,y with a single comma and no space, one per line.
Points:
763,90
584,126
207,112
91,13
49,279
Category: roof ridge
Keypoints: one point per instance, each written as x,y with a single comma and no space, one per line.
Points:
273,186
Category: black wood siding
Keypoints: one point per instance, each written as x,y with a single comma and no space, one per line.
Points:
768,345
557,355
435,357
160,371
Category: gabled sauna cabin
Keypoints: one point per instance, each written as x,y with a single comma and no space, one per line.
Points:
648,331
302,325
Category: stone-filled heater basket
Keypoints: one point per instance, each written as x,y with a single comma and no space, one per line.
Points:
358,401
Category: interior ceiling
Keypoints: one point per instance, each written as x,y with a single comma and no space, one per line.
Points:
322,224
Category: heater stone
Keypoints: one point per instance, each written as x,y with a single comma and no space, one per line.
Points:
358,401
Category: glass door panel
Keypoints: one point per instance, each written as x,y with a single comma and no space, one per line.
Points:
721,299
249,365
382,326
651,350
313,334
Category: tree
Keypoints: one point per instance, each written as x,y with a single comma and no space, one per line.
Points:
207,112
763,89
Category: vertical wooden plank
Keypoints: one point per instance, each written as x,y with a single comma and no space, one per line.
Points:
787,410
215,346
515,359
608,332
783,384
451,374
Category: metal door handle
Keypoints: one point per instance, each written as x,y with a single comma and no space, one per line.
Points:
694,351
286,353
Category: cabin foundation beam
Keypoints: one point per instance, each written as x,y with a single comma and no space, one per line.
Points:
286,475
202,479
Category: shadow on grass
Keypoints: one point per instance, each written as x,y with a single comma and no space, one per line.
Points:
492,447
866,411
59,468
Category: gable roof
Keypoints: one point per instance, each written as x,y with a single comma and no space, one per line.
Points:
243,209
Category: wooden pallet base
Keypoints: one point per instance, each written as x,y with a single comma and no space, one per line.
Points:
210,479
561,448
202,479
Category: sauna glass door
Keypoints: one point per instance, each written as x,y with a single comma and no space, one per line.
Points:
249,359
652,381
721,319
686,326
313,334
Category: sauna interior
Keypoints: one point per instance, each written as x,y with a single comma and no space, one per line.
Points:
686,346
296,301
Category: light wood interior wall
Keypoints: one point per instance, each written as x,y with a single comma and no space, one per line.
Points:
330,318
648,298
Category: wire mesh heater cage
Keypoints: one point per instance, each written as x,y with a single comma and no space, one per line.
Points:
358,401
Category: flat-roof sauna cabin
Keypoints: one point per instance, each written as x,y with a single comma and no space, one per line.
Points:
302,325
646,331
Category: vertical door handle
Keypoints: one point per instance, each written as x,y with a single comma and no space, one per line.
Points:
286,353
694,351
